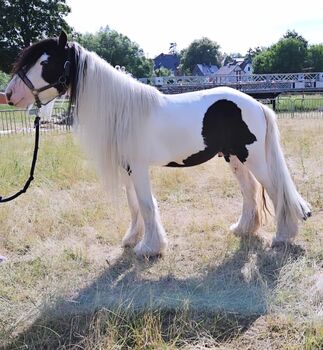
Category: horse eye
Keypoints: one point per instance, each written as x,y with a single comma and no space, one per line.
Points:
43,63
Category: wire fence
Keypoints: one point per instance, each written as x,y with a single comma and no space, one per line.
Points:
15,121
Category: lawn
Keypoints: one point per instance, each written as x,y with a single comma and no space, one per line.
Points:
68,284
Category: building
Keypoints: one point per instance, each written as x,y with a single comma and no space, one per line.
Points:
235,69
205,69
168,61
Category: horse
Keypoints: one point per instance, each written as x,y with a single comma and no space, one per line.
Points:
127,126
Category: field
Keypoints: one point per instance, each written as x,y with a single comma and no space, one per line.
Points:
67,283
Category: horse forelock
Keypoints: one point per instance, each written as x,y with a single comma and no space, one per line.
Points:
30,54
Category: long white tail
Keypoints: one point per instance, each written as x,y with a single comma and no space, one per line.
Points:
289,205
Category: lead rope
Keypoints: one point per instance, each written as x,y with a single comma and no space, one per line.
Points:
33,163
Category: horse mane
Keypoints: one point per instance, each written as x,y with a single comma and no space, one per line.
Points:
111,110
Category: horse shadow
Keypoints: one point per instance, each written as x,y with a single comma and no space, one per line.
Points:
222,302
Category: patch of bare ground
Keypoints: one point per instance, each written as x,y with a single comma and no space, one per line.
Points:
67,284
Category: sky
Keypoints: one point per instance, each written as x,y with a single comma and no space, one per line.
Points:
236,25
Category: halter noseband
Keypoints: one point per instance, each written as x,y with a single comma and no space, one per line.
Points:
61,81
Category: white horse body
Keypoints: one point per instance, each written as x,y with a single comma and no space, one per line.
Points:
174,127
127,126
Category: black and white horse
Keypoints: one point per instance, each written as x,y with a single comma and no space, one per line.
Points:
128,126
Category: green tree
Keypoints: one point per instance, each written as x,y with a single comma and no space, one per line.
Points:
314,62
162,72
118,49
288,55
263,62
4,79
200,51
23,22
293,34
251,53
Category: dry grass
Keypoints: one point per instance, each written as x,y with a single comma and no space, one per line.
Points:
67,284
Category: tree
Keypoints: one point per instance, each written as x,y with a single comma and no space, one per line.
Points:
294,35
4,79
118,49
23,22
288,55
162,72
200,51
263,62
251,53
314,62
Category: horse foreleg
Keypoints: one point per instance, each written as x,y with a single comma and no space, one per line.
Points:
249,220
137,228
154,241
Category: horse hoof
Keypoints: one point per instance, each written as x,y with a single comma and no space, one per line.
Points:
131,238
281,242
234,228
129,242
2,258
144,250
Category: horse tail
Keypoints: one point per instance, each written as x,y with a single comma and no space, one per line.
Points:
264,208
288,203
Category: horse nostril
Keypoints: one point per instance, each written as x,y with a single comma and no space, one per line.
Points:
8,94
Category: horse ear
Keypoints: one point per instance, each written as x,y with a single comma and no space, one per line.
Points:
62,39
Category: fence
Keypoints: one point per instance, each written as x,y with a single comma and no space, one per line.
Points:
302,108
15,121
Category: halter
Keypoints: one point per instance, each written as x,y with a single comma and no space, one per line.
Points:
61,81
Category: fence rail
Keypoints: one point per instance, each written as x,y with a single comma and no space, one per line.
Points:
253,84
17,121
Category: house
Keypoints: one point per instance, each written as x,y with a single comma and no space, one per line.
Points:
168,61
235,69
204,69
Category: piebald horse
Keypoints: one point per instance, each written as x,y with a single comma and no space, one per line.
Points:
127,126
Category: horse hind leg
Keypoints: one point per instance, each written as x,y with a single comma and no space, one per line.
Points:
252,206
268,165
287,224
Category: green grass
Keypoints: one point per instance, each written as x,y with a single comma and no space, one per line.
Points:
67,284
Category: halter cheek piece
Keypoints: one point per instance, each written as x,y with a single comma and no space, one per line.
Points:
61,81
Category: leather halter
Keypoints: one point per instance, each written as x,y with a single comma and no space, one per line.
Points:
61,81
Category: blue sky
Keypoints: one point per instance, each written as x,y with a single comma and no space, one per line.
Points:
234,25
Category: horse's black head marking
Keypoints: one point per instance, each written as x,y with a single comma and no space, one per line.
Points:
56,53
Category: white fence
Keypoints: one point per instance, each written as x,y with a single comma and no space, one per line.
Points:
247,82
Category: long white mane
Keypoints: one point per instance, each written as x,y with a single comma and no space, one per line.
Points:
111,110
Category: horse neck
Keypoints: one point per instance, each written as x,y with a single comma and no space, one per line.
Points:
116,94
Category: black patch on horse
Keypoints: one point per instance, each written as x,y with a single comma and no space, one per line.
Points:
223,131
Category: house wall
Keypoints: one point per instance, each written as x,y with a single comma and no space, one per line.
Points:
248,68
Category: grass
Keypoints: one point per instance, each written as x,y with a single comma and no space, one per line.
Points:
67,284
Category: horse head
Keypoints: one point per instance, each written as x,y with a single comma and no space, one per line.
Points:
41,73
